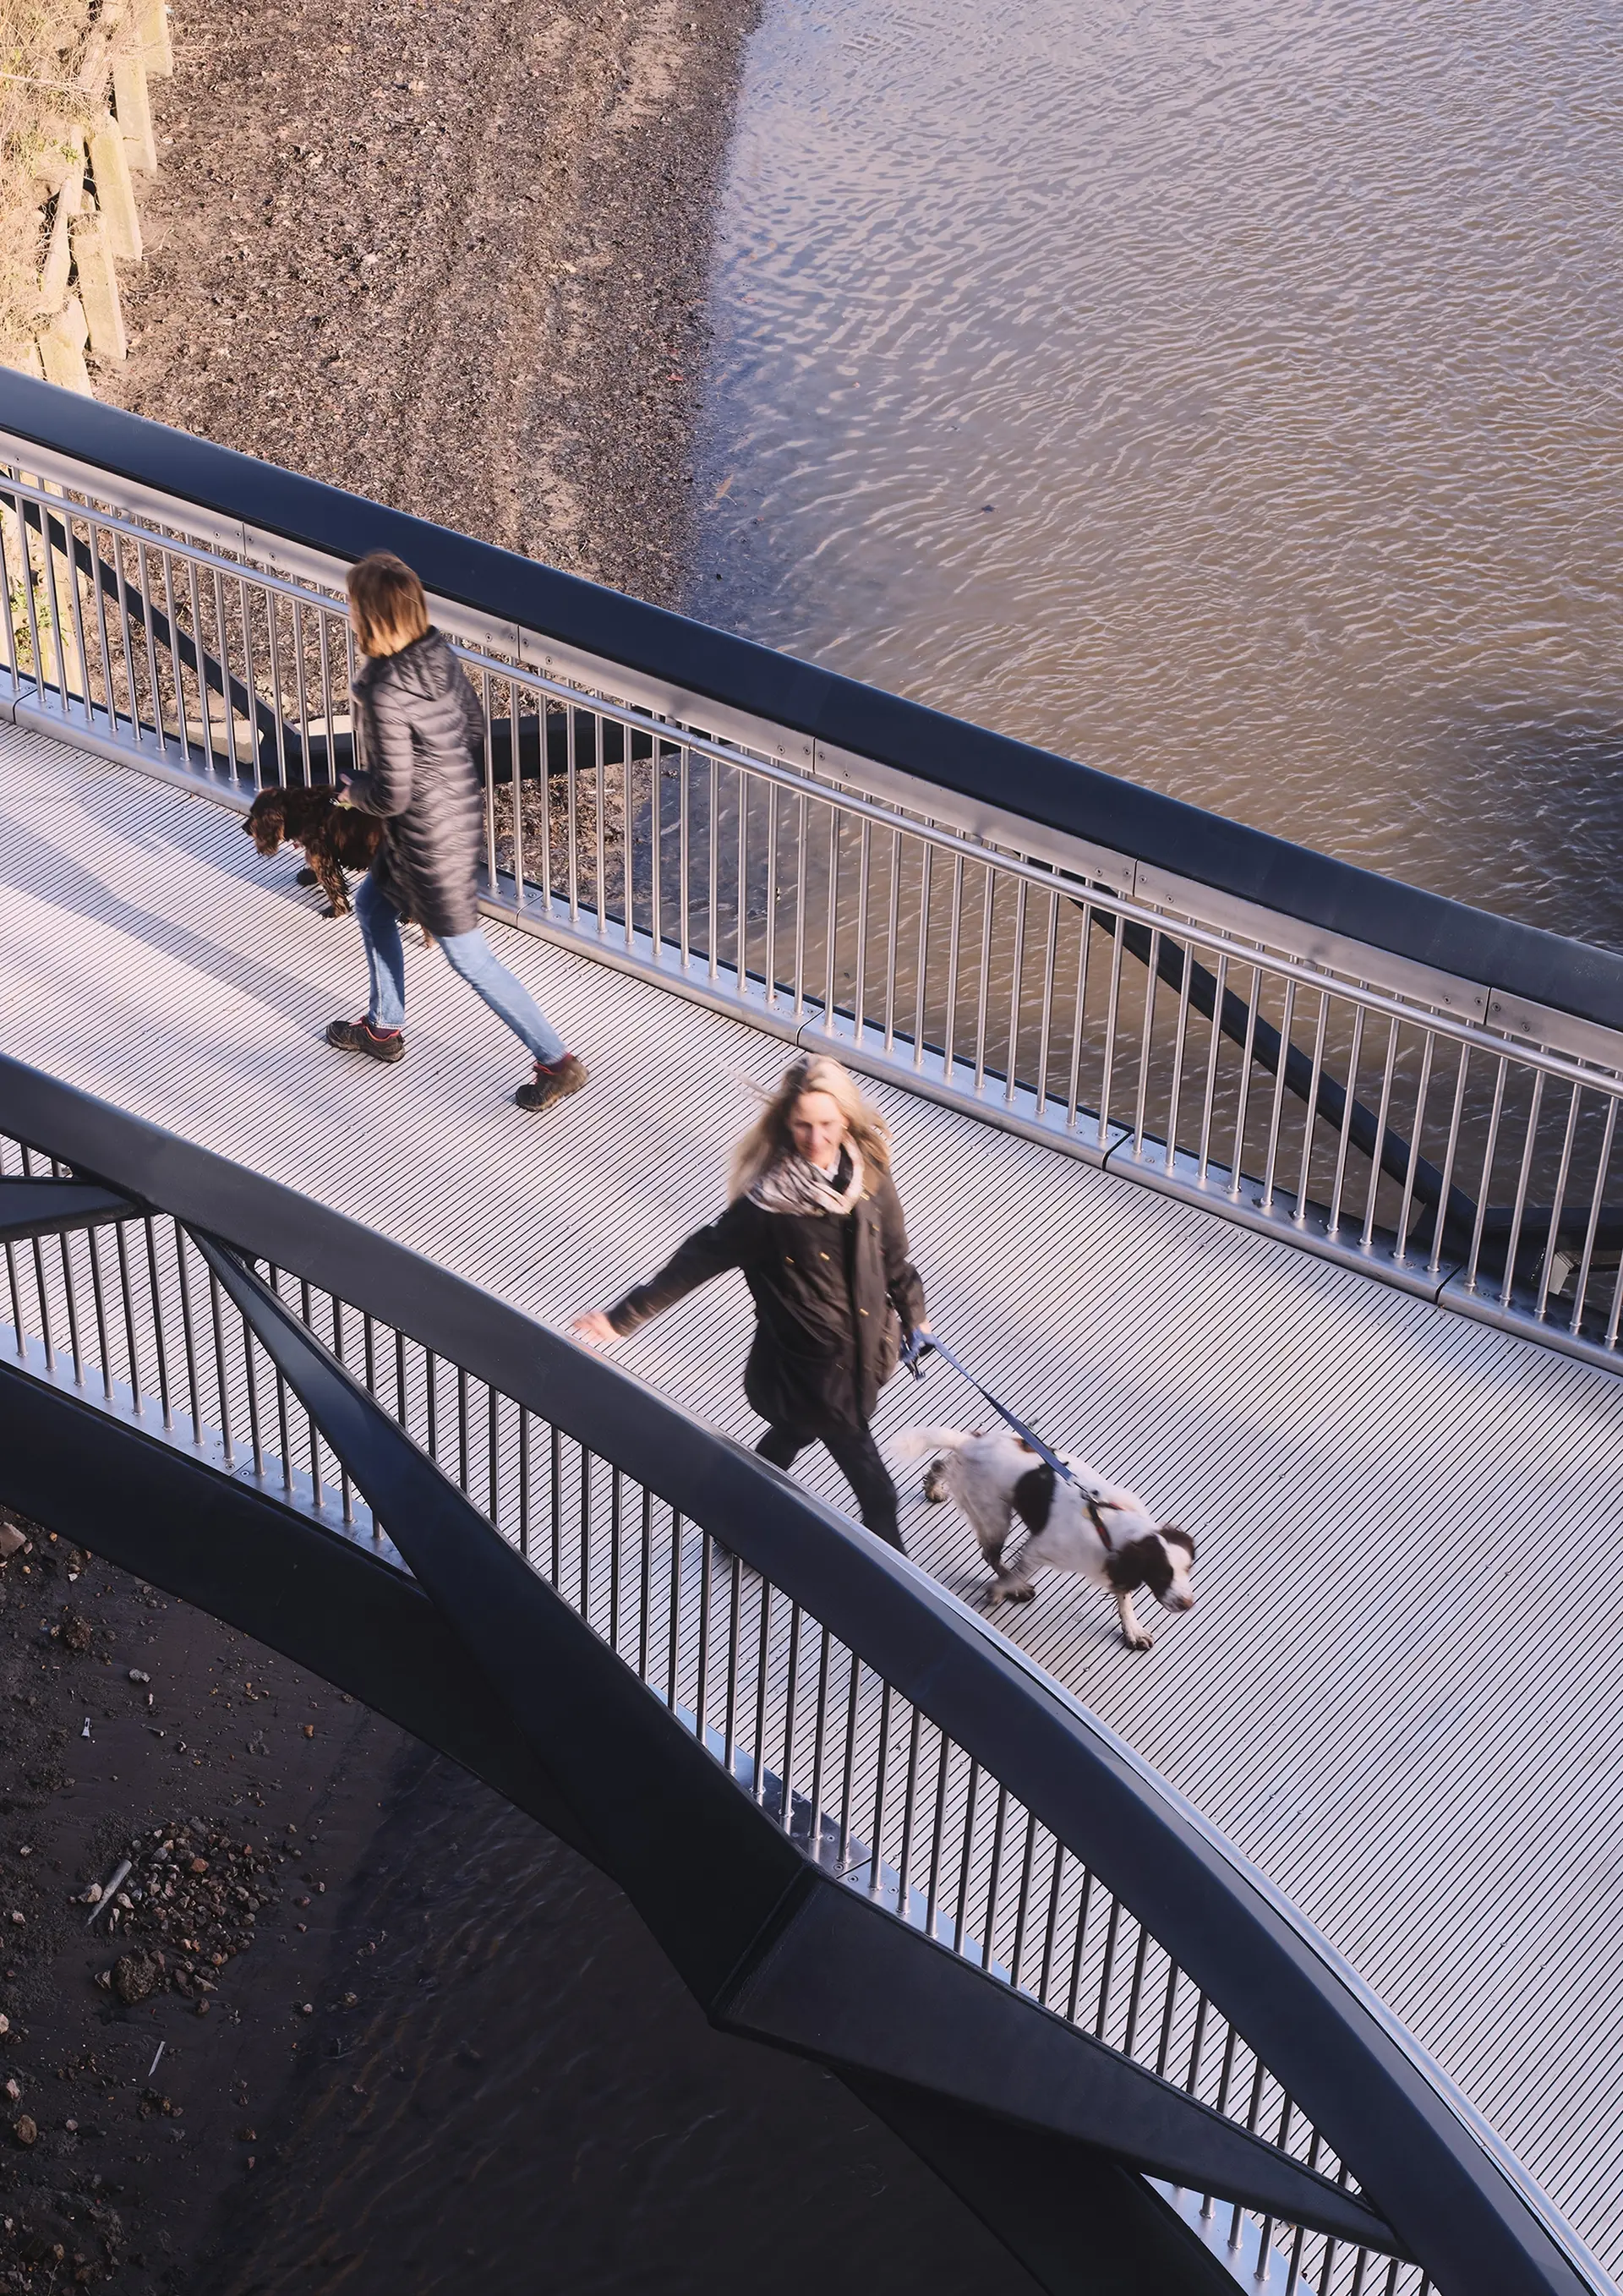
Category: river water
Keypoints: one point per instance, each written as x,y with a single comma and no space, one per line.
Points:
1224,392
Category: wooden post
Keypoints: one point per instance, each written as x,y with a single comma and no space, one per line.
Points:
135,113
115,193
61,348
152,26
99,290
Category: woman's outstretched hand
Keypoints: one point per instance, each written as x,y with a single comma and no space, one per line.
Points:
596,1329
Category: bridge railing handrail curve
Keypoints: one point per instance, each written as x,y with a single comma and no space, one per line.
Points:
1450,2188
260,506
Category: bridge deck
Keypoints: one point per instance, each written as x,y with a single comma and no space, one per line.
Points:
1395,1695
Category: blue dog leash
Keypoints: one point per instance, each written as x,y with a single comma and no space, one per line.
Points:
920,1344
923,1344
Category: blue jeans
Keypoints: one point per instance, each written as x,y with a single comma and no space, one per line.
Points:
470,954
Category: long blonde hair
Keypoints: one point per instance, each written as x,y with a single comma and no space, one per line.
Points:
769,1140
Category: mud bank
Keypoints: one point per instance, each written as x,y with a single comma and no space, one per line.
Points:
452,257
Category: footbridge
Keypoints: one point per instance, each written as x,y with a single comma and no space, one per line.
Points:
1286,1953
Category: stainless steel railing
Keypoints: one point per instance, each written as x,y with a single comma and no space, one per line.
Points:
1368,1111
866,1783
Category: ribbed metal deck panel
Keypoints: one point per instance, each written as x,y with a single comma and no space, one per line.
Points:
1396,1695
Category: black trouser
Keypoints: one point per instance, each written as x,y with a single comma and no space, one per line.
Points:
855,1454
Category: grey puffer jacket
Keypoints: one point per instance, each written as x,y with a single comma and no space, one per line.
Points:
419,741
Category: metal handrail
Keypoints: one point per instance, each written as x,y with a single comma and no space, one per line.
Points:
1484,1175
1198,1912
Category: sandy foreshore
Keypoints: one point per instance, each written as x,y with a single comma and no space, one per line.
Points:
451,258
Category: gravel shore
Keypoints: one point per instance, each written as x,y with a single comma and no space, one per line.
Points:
451,258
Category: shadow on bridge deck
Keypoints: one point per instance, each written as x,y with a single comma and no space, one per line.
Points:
1395,1696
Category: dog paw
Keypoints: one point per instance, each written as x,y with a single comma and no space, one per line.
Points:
334,910
306,877
1019,1591
1140,1641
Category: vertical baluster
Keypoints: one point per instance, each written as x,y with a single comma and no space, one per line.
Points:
70,1305
847,1765
1022,1905
1485,1184
284,1438
1446,1185
1310,1112
953,928
1056,1882
1192,2081
1381,1114
221,1390
127,1297
983,978
482,688
99,1304
762,1665
790,1700
251,1381
701,1695
892,938
599,756
876,1839
932,1892
614,1560
1165,2041
1016,983
524,1482
1417,1128
1107,1968
674,1663
191,1347
1603,1169
741,921
656,854
1344,1136
864,865
1563,1169
832,943
1112,1006
813,1842
1079,1949
556,1500
909,1806
990,1916
1519,1208
646,1589
1277,1110
734,1641
966,1858
571,823
585,1541
685,767
1179,1038
311,1428
770,966
1147,1039
1079,1024
1247,1062
927,859
713,950
800,862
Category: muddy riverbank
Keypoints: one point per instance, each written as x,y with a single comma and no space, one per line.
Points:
451,258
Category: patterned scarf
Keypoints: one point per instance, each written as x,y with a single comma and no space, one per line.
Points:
794,1186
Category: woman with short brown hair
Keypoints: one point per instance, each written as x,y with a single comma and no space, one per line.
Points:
418,736
816,1227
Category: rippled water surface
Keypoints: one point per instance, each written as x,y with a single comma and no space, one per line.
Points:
1226,395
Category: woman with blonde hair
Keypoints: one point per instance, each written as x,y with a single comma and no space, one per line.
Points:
418,736
815,1228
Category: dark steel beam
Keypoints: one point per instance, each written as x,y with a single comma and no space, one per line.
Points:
42,1207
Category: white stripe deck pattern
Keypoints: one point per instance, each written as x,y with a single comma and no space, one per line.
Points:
1398,1695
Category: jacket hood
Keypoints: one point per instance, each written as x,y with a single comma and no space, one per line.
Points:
427,667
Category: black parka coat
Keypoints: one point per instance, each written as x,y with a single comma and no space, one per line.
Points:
419,740
831,1292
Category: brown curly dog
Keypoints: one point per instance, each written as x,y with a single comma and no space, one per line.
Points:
334,837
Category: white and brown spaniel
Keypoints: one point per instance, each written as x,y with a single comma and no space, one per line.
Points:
1087,1526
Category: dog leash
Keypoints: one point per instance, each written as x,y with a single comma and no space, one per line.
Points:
920,1344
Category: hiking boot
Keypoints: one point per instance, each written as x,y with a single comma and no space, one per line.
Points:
551,1083
385,1044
